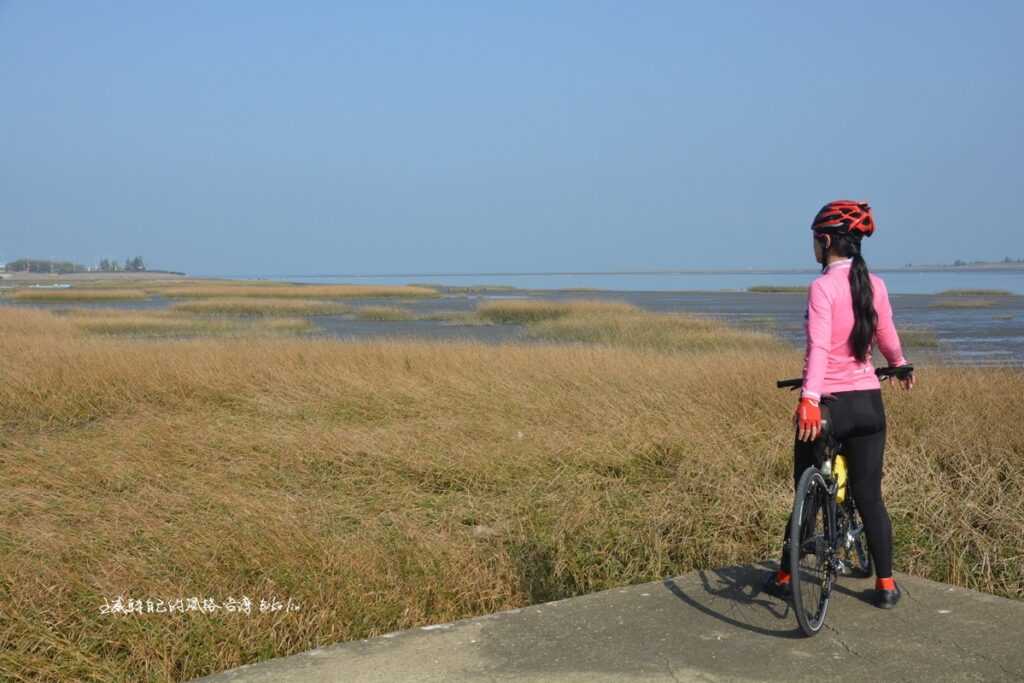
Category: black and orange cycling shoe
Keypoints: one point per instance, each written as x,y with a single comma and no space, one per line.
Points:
782,590
887,593
887,599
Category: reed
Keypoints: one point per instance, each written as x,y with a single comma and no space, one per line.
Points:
384,313
261,307
469,289
531,311
455,317
76,294
918,337
963,303
164,323
391,484
263,290
778,289
975,292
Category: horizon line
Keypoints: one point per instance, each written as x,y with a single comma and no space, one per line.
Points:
666,271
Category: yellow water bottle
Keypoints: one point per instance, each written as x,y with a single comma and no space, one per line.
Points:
840,478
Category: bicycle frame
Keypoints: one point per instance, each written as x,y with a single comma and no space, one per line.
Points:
837,514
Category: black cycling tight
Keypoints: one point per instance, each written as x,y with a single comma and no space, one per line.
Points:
858,420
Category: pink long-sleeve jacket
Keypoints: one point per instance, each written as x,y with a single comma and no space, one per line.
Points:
829,364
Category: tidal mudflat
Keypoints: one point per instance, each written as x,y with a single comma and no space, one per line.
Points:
961,327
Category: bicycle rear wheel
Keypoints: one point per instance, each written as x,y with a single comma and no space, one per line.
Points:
854,551
809,556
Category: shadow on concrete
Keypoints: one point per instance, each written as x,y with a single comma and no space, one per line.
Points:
725,629
865,596
738,589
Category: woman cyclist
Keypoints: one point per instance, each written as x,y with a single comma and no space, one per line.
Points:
847,310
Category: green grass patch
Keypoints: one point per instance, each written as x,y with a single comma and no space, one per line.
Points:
918,337
291,291
384,313
778,289
975,292
963,303
453,317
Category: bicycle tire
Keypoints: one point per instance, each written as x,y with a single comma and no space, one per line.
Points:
808,535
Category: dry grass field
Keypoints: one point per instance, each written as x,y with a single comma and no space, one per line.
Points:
527,311
170,323
280,290
261,306
77,294
384,313
383,485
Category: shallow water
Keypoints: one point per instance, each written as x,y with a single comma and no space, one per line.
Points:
973,336
900,281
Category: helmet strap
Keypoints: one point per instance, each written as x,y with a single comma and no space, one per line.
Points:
826,242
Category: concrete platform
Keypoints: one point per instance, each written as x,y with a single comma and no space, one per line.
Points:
702,626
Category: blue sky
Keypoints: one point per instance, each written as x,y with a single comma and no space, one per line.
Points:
334,137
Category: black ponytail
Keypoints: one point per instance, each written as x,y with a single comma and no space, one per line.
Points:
865,318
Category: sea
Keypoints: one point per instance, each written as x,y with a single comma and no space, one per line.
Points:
989,333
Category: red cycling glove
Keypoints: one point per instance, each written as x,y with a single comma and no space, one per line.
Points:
808,418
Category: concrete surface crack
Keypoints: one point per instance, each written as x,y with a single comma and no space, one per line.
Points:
977,655
837,637
668,667
960,648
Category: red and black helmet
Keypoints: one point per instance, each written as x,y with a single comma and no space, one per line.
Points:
844,215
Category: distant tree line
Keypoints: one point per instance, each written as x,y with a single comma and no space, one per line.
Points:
960,262
31,265
131,265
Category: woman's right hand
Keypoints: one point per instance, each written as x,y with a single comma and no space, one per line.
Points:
807,418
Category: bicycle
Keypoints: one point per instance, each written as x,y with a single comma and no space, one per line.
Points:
826,520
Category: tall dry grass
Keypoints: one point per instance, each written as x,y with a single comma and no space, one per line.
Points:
384,313
778,289
641,330
261,307
918,338
279,290
528,311
976,292
166,323
617,323
76,294
387,484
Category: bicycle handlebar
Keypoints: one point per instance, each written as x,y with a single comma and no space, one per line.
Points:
883,374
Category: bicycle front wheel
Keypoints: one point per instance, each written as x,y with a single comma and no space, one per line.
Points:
809,556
